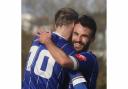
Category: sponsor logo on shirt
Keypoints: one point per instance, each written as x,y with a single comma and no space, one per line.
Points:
81,57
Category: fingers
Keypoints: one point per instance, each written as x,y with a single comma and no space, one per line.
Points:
39,33
43,29
35,34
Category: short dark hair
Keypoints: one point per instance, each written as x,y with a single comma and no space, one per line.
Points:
65,16
88,21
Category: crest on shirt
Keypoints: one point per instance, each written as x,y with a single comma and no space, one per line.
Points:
81,57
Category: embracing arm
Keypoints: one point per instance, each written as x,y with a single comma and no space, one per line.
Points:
56,52
78,81
59,55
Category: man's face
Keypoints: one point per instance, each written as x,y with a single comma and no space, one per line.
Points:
81,37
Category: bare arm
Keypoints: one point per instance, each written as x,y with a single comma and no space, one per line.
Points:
56,52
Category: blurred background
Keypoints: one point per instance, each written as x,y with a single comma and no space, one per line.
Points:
37,13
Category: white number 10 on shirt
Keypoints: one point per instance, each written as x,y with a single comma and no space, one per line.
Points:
45,58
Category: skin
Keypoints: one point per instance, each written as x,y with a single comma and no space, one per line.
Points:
45,38
81,39
65,30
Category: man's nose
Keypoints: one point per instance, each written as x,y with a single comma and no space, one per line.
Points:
78,38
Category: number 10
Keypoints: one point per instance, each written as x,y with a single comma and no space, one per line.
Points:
47,73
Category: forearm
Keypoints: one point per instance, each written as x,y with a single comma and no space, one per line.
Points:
59,55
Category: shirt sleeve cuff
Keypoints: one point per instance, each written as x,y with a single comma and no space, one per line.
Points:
78,80
75,62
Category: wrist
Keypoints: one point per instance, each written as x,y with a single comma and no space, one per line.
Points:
47,41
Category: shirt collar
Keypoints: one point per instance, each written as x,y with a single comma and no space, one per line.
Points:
59,35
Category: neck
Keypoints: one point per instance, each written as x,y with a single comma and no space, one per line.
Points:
64,33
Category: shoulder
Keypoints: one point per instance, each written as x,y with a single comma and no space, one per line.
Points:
65,45
85,55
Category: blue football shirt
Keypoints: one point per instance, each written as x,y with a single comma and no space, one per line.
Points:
42,72
88,66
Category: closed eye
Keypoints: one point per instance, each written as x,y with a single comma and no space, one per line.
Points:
75,33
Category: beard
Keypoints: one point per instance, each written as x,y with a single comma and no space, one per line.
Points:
85,48
80,46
